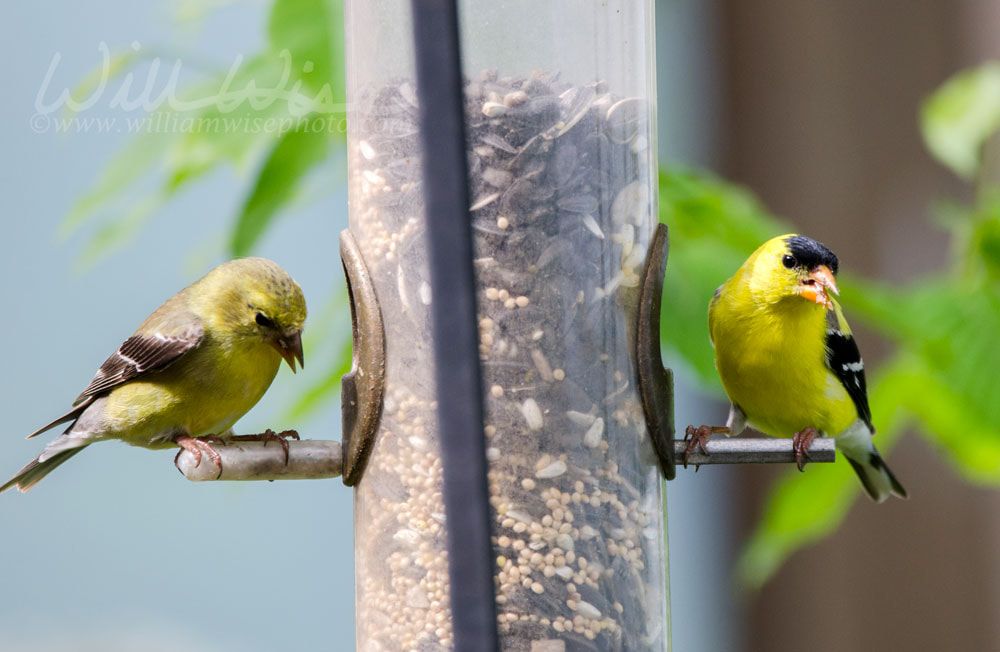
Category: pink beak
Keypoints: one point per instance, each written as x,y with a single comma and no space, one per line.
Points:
814,287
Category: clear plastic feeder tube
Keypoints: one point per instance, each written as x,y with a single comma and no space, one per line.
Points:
560,105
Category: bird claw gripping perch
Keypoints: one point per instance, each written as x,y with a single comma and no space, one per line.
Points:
269,435
197,445
801,442
697,440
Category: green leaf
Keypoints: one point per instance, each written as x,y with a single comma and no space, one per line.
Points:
294,155
984,235
312,30
236,121
955,399
961,116
951,422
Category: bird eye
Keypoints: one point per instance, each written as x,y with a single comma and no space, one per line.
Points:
789,261
264,321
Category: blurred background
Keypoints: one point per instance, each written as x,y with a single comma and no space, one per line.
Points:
818,109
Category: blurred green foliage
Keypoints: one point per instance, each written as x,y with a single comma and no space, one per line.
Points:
958,119
276,113
940,380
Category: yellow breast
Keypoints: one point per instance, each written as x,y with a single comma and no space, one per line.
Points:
772,362
205,392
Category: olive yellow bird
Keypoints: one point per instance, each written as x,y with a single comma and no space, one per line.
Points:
788,360
190,371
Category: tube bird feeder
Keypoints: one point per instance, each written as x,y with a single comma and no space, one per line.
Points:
559,106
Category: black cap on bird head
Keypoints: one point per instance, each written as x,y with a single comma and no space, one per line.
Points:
811,254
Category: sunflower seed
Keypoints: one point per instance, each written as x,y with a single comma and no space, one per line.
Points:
553,470
592,438
494,109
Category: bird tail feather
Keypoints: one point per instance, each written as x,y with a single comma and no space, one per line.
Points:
875,475
38,468
857,446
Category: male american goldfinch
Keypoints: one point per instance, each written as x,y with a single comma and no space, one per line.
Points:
194,367
788,360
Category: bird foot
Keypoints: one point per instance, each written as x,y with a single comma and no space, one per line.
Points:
269,435
697,438
801,441
196,446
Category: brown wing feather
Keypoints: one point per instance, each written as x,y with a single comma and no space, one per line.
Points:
139,355
165,336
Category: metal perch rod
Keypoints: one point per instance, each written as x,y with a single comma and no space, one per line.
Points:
309,459
755,451
316,459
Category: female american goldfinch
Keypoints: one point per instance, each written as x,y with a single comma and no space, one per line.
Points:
194,367
788,360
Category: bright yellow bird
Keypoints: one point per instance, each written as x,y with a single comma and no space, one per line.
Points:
190,371
788,360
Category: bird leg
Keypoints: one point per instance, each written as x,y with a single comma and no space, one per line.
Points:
197,445
697,438
269,435
801,441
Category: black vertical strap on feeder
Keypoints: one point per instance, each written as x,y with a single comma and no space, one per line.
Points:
453,310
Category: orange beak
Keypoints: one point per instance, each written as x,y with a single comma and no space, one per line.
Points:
289,347
814,287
